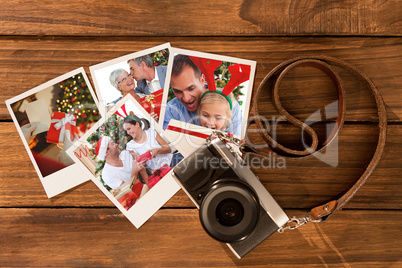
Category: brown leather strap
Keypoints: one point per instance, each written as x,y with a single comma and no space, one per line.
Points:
271,84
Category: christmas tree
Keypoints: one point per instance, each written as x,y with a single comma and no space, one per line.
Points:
75,98
222,77
160,57
113,128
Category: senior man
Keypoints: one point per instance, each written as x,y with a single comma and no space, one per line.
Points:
149,78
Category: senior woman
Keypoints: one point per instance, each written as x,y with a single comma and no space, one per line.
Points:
123,82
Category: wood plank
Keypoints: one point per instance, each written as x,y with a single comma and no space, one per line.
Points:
194,18
302,184
26,63
103,237
81,228
307,181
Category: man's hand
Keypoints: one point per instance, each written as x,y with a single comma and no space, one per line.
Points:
134,155
137,167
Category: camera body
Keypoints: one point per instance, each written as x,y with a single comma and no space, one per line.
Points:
234,206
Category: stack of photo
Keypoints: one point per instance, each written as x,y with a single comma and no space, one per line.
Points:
144,114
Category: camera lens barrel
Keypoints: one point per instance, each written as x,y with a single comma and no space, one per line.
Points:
229,210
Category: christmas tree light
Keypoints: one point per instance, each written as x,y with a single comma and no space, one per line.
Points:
75,98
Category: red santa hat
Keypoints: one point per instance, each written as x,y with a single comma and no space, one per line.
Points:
101,147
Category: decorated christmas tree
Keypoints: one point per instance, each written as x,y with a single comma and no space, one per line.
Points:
113,128
160,57
222,77
75,98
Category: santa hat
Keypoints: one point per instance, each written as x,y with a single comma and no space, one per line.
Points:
101,147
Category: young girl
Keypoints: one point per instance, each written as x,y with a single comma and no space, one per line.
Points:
146,139
214,110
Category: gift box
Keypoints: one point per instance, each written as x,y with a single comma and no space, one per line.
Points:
59,124
152,102
125,188
146,156
157,175
189,136
128,193
164,170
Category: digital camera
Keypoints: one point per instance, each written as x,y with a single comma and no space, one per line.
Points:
234,207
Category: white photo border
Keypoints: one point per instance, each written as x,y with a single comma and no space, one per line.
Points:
94,68
70,176
155,198
253,64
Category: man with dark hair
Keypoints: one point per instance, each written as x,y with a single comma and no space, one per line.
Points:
182,61
188,84
149,78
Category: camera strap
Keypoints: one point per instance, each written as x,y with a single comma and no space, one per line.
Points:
270,85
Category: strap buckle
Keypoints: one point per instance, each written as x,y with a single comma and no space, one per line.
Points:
232,143
225,137
295,223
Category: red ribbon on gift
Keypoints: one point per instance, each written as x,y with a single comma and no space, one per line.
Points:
129,199
191,132
158,174
188,132
152,102
67,122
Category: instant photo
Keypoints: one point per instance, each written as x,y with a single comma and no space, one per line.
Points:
128,157
209,90
49,119
206,93
141,74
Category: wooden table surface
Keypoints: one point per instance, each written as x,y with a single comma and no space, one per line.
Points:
40,40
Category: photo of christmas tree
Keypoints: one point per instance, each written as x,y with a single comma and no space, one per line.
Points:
141,74
128,158
51,117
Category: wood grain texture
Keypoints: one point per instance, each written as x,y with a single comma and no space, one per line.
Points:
71,237
27,63
195,18
40,40
300,184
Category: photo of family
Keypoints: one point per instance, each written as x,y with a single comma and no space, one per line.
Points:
49,119
141,74
207,90
129,159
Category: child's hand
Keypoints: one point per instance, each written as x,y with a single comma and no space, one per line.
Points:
154,152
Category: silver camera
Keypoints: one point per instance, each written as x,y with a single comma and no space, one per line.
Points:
234,207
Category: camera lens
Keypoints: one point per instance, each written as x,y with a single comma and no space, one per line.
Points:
229,212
